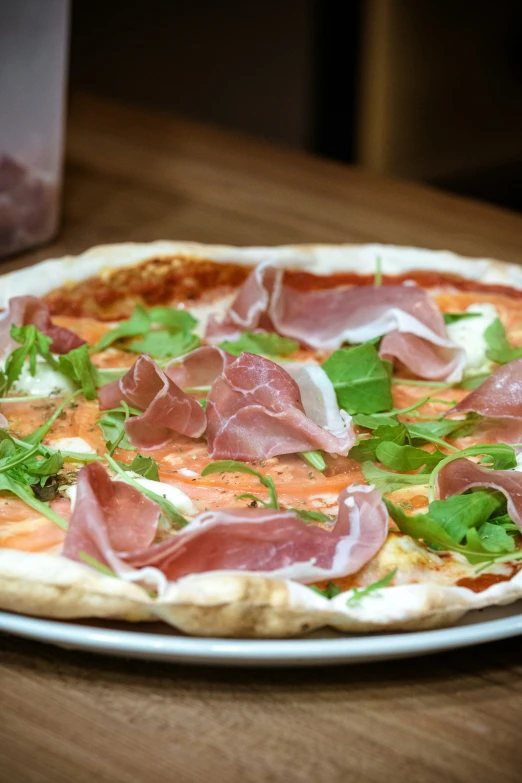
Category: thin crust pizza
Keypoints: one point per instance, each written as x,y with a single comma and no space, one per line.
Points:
261,441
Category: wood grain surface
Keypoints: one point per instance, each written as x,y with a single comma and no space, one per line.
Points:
68,716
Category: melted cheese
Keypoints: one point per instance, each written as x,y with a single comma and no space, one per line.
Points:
79,445
468,333
46,381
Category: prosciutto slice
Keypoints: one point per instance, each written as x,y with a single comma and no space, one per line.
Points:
255,411
200,367
499,396
108,517
319,398
327,318
167,409
462,474
26,310
268,542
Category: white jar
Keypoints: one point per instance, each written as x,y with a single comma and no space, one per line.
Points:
33,60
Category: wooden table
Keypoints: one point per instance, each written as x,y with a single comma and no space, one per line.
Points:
75,717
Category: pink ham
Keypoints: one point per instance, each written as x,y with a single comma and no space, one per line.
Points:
167,409
26,310
105,524
460,475
327,318
200,367
255,411
108,517
499,396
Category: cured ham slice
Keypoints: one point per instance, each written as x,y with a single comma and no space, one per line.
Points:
167,409
422,357
108,517
255,411
105,524
200,367
319,398
26,310
462,474
327,318
499,396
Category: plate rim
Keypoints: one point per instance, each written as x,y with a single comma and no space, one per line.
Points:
227,652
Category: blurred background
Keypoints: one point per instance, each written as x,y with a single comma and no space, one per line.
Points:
427,91
430,91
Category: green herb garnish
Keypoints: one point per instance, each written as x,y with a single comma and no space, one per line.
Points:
360,378
233,466
451,318
270,344
358,594
499,348
330,591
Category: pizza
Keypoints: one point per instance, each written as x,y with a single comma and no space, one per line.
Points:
261,441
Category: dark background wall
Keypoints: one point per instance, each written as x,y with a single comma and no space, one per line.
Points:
426,90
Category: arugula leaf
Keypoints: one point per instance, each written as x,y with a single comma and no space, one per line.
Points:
103,569
33,342
473,381
49,465
252,342
17,486
311,516
360,378
451,318
169,509
389,418
363,592
491,538
437,536
15,457
435,431
138,323
315,459
179,320
77,365
39,434
500,349
387,482
233,466
164,344
405,458
112,424
145,466
498,456
330,591
384,433
459,513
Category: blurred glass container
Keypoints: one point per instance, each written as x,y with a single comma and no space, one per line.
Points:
33,59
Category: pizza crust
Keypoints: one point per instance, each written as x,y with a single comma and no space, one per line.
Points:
239,604
226,604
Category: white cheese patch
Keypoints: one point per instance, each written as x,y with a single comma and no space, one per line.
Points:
178,498
44,382
79,445
202,312
519,462
468,333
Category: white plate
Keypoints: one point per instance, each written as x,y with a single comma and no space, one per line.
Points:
478,627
